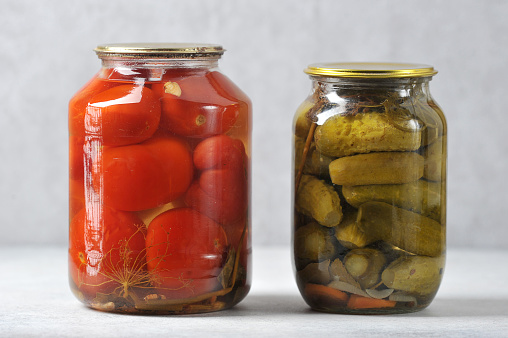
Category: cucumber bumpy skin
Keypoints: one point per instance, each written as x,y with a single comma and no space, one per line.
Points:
319,200
377,168
414,274
349,235
420,196
344,135
407,230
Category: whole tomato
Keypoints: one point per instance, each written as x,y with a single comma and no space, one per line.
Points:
227,88
121,115
106,252
198,106
79,102
146,175
185,253
221,192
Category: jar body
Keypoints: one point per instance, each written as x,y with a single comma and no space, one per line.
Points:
159,188
369,195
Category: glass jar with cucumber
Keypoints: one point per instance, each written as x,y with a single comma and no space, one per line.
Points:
369,219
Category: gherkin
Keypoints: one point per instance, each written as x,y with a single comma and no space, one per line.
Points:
388,167
407,230
319,200
420,196
344,135
415,274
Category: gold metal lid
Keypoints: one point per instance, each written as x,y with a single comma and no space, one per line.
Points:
159,50
368,70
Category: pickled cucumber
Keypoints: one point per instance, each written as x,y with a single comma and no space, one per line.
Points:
433,156
391,252
432,117
377,168
319,200
414,274
313,242
302,122
432,129
365,266
349,235
407,230
421,196
344,135
430,135
316,163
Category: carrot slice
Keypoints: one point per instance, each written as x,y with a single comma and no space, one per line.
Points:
317,291
359,302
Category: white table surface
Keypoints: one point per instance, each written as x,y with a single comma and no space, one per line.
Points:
37,302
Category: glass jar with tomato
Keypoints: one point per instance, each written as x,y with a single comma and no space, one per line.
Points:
159,166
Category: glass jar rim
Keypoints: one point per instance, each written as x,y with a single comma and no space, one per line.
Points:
370,70
159,50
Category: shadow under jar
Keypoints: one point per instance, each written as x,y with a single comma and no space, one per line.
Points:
369,195
159,182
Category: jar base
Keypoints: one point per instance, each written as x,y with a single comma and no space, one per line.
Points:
154,304
379,311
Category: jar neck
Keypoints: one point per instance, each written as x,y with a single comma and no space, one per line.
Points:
145,69
401,87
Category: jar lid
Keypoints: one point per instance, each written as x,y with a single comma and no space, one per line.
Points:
370,70
159,50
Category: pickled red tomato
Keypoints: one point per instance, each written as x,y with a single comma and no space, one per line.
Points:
76,157
200,106
146,175
78,104
107,250
122,115
119,115
229,90
222,152
185,251
76,197
221,191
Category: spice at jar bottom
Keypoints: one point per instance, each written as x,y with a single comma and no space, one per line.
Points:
369,198
159,152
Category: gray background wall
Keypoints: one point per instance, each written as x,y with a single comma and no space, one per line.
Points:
46,55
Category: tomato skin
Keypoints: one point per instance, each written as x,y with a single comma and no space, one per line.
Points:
76,157
228,89
133,179
202,109
146,175
76,197
103,248
219,152
221,192
116,114
186,251
122,115
79,102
